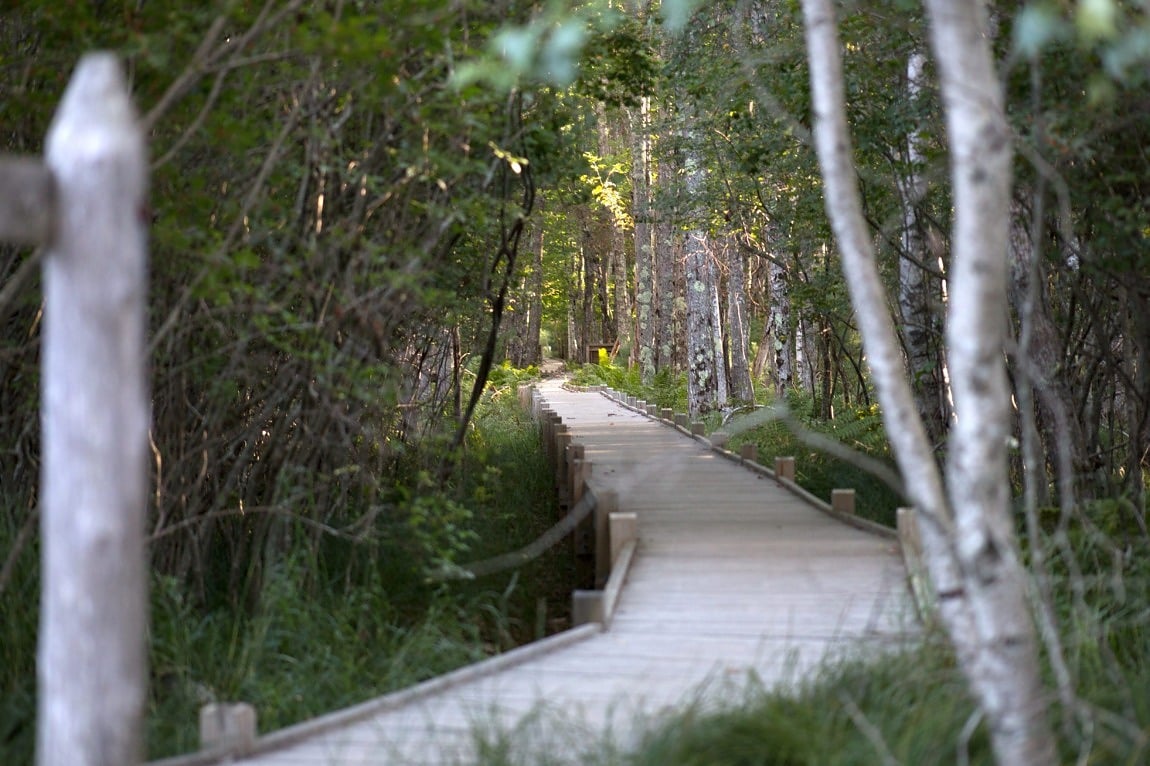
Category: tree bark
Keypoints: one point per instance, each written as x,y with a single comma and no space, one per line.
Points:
1001,659
782,336
742,388
967,537
919,293
702,373
644,352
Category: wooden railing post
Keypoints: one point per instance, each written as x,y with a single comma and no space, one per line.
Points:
785,468
562,444
95,415
624,527
843,501
586,606
608,503
230,726
575,476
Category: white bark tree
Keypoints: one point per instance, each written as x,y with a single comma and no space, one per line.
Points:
919,291
741,385
779,325
969,545
644,352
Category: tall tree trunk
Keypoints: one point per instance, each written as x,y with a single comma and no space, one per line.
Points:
1002,660
644,350
919,293
668,313
722,389
619,325
702,377
742,388
532,301
967,534
782,340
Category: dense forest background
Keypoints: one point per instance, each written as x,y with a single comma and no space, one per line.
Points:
364,215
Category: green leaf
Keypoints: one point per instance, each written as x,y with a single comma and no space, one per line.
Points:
1037,26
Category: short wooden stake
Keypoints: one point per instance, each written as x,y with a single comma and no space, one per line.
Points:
624,527
607,504
720,439
785,468
698,428
562,446
667,414
843,500
681,419
586,606
653,410
227,725
749,452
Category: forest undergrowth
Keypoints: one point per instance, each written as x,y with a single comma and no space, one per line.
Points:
913,707
333,621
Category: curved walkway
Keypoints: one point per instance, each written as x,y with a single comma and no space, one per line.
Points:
735,581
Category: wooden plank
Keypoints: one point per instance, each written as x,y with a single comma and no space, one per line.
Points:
732,577
95,417
27,201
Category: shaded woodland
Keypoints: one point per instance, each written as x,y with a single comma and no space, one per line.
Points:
363,214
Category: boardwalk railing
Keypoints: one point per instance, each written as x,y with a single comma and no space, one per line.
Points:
83,204
842,501
605,539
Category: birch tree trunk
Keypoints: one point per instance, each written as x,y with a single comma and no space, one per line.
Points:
92,658
967,538
919,293
742,388
702,373
666,245
1003,665
644,352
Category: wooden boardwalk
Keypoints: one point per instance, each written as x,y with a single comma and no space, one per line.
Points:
735,581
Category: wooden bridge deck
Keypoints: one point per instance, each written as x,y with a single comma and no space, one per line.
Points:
735,580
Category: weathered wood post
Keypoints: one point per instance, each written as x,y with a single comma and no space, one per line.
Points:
607,504
785,468
95,417
749,452
843,500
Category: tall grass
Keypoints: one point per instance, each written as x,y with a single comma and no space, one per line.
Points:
332,622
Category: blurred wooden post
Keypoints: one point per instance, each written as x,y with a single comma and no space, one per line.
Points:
698,428
843,500
95,417
586,606
749,452
720,439
27,201
230,726
624,527
667,414
563,438
574,478
681,419
608,503
785,468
